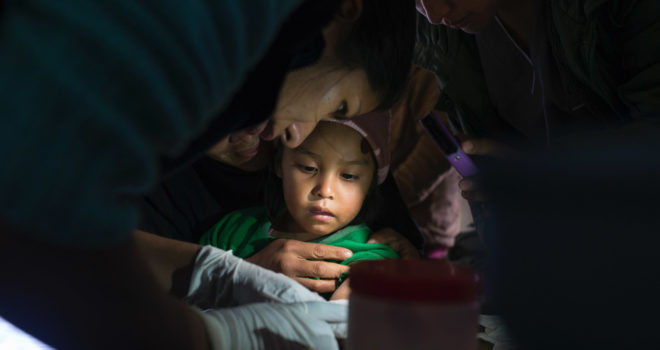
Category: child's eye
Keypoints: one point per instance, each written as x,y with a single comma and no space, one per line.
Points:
306,168
349,177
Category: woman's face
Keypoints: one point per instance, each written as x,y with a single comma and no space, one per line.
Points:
325,179
470,16
325,90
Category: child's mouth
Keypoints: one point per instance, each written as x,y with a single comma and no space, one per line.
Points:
321,214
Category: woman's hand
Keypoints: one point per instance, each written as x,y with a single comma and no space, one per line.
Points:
481,147
396,241
302,260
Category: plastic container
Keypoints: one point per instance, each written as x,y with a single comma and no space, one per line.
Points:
413,304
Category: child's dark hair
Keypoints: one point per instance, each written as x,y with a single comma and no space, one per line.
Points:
274,197
381,42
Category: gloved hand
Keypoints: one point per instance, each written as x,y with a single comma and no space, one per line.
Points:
495,332
221,279
277,326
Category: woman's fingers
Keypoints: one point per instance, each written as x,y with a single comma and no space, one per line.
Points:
482,147
319,286
470,191
487,147
319,269
303,261
318,251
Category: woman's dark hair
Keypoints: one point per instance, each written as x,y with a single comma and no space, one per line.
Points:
381,42
273,193
274,197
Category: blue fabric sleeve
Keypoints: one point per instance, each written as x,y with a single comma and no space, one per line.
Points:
93,92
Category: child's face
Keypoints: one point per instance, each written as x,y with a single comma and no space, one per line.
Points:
326,179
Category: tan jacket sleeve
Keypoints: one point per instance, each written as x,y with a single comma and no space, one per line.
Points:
427,183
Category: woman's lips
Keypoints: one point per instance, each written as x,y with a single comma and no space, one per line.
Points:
248,153
248,149
458,24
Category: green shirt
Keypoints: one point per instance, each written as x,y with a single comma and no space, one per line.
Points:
246,231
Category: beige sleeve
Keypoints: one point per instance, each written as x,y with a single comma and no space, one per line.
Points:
425,178
418,165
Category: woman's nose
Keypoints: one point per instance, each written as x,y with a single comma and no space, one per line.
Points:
295,133
435,10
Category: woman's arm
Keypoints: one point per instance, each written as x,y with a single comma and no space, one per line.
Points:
91,298
171,261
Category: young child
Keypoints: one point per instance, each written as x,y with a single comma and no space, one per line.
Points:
327,184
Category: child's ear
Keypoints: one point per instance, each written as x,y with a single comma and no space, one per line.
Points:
350,10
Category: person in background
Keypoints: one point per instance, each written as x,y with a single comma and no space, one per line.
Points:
98,99
519,76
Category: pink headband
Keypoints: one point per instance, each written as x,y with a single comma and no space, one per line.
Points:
375,128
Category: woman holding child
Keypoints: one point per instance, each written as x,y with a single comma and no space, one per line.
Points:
96,95
322,191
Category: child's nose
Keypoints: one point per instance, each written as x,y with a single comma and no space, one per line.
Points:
324,189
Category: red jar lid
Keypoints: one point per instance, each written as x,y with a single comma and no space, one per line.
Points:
415,280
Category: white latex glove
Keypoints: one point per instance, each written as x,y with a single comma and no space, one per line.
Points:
310,325
221,279
495,332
